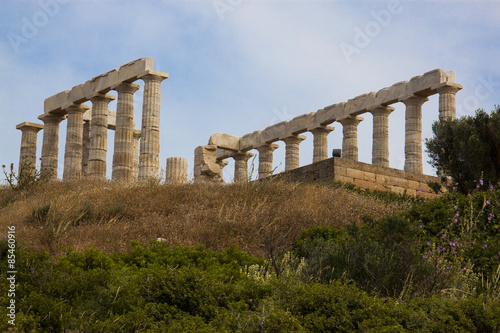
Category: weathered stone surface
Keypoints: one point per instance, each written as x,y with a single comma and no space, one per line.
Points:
80,93
422,84
329,114
350,137
274,132
320,151
266,160
360,104
447,101
205,163
251,141
241,167
130,71
225,141
176,171
380,146
74,140
392,94
103,83
56,102
50,145
292,158
413,133
300,124
27,157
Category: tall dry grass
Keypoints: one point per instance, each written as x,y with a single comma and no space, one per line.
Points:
260,218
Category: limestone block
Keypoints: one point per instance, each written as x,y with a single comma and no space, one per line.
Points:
329,114
130,71
300,124
393,181
205,154
251,141
360,104
344,179
55,102
340,171
392,94
225,141
176,171
274,132
80,93
105,82
451,76
211,169
356,174
422,84
222,154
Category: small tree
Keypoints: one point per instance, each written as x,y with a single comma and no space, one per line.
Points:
467,149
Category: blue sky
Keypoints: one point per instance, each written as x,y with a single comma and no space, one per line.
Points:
237,66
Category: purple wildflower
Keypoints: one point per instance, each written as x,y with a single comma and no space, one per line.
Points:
488,202
492,187
421,190
457,214
485,246
428,243
444,235
455,221
481,182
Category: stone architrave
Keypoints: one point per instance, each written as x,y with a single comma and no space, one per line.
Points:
292,158
124,133
380,146
413,133
447,101
74,138
86,147
176,171
350,137
241,167
99,135
266,160
50,144
320,151
27,158
150,137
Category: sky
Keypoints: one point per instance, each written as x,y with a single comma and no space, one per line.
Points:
237,66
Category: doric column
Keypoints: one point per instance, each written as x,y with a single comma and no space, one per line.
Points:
413,133
266,160
292,160
149,160
241,167
50,144
350,137
320,151
99,135
135,156
124,133
86,147
447,103
176,171
74,137
27,158
380,146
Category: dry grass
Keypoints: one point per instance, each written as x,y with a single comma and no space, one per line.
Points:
260,218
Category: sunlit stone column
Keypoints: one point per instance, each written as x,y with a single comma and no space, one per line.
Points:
135,156
292,158
350,137
266,160
86,147
413,133
380,146
320,151
50,144
124,133
27,158
74,138
447,102
176,171
99,135
150,137
241,167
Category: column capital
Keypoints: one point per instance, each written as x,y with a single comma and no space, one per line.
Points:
294,139
416,100
241,156
351,120
27,126
382,110
321,130
447,88
51,118
153,76
102,97
77,108
127,87
269,147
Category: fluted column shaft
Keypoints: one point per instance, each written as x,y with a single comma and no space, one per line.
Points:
241,167
292,157
149,159
176,171
447,101
124,134
99,136
74,138
50,144
27,157
380,146
135,156
320,151
413,133
86,147
350,137
266,160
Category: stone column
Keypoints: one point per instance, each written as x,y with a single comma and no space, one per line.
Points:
266,160
413,133
176,171
447,103
380,146
74,138
86,147
350,138
241,167
150,137
222,164
99,135
135,156
320,151
292,160
124,133
27,158
50,145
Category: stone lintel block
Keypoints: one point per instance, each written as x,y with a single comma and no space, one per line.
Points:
360,104
105,82
225,141
251,141
329,114
56,102
80,93
222,154
274,132
22,125
422,84
130,71
300,124
392,94
451,76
